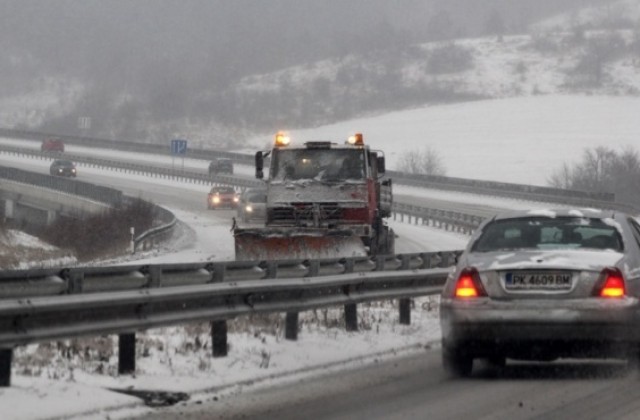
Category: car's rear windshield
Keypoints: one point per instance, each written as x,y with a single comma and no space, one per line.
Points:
64,163
548,233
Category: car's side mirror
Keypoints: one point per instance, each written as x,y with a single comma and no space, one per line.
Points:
381,165
259,165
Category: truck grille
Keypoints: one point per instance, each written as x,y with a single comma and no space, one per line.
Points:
306,213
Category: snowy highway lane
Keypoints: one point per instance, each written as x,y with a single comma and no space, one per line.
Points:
415,387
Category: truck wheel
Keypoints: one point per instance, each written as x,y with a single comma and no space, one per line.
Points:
391,242
385,243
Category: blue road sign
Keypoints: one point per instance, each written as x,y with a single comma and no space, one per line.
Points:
178,147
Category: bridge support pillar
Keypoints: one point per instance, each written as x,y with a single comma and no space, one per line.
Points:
9,206
126,353
52,215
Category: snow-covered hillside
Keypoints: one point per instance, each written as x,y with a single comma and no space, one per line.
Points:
49,98
593,51
555,57
519,65
622,12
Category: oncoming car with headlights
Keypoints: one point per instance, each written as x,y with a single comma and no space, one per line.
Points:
63,168
542,285
222,197
253,205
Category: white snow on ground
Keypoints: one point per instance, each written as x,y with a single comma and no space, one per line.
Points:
16,237
176,362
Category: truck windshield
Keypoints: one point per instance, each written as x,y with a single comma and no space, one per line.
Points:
326,165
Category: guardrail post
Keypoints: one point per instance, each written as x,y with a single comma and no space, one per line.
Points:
350,309
291,326
75,281
6,356
404,304
219,338
126,353
292,318
219,344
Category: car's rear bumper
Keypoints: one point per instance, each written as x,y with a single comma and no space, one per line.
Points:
590,319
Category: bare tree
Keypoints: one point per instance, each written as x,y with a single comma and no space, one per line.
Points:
603,170
596,170
562,177
426,161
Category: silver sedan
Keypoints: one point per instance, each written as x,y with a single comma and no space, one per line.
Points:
541,285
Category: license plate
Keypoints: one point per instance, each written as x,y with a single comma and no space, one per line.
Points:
537,281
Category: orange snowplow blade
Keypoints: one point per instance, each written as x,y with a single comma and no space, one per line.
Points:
279,244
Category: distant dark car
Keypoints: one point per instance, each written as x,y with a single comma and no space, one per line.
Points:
52,145
63,168
252,205
222,197
541,285
221,166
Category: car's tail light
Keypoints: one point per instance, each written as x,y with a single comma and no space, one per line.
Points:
611,284
469,285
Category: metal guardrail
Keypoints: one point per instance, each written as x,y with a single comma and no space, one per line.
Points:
444,219
44,305
506,189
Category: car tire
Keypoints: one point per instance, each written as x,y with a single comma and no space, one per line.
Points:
456,363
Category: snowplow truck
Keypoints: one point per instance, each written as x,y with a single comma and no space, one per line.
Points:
324,200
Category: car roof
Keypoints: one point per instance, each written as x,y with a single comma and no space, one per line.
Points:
553,213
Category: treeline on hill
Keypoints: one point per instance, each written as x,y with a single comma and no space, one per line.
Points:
603,169
100,235
148,63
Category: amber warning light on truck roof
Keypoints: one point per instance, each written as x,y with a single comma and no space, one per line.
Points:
356,139
282,139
